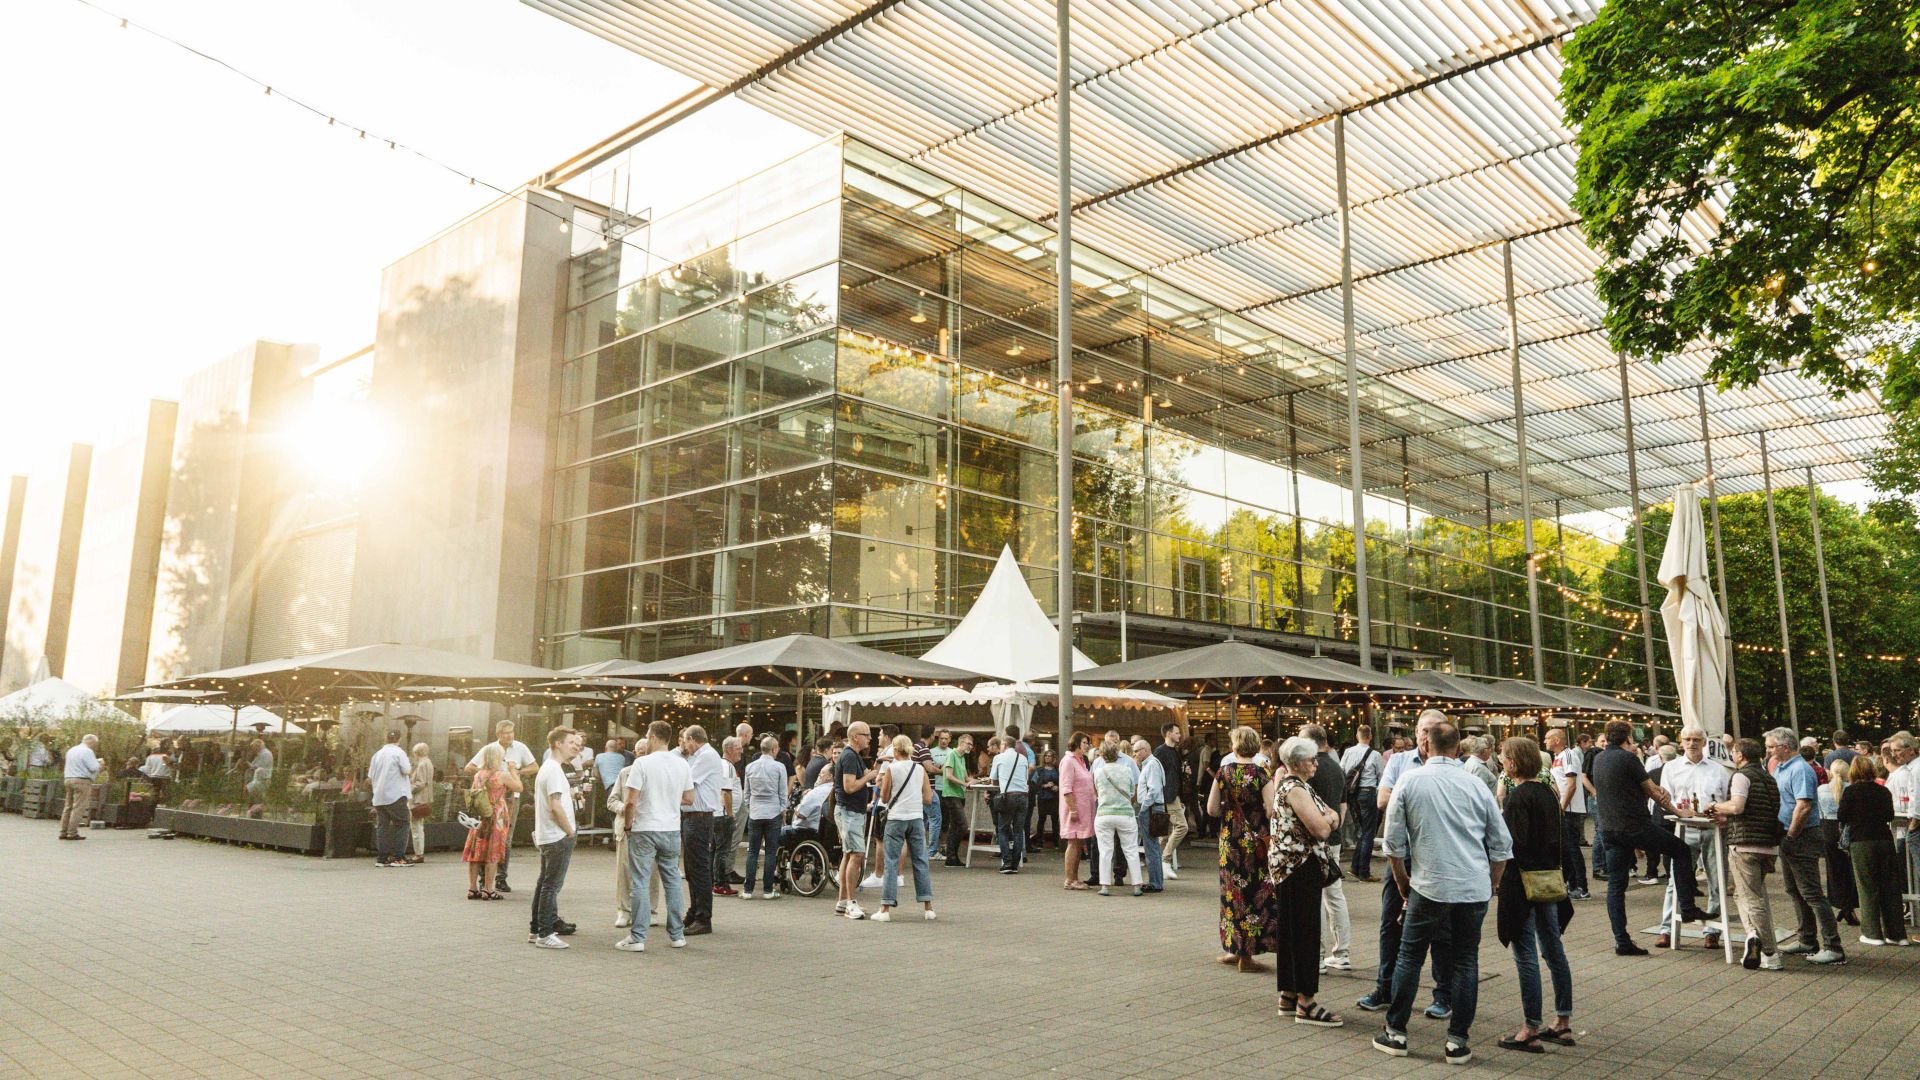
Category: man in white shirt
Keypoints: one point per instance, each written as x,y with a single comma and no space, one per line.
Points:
1570,784
83,765
1695,780
724,833
259,770
389,776
553,834
659,788
696,825
1903,783
1008,771
520,759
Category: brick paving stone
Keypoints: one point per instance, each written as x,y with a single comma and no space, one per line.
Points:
188,959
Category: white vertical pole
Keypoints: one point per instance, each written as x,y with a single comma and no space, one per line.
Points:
1063,360
1520,448
1357,479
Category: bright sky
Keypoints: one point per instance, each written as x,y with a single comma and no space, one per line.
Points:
166,212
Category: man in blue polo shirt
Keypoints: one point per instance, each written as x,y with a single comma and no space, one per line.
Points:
1802,849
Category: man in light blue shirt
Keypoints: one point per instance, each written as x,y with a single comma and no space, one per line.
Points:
1393,897
1448,846
1008,772
82,766
1152,792
1802,850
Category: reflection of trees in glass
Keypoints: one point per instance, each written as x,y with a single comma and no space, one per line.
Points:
196,548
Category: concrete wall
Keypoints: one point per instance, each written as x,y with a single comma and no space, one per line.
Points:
10,553
220,506
119,556
41,600
450,547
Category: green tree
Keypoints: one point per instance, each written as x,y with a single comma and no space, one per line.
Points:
1750,171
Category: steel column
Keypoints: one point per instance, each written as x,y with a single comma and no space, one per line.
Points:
1779,586
1826,611
1566,618
1520,447
1063,360
1639,536
1719,564
1357,478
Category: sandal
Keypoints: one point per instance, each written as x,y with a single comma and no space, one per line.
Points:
1314,1014
1558,1036
1288,1003
475,894
1525,1046
491,896
1076,886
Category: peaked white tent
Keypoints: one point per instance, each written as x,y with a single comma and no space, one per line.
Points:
1005,634
1696,628
47,693
220,720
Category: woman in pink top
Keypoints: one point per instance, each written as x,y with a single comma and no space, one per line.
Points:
1076,807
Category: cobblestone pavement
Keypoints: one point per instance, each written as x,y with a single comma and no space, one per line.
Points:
128,956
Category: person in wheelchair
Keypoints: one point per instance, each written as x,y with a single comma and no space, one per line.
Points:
810,847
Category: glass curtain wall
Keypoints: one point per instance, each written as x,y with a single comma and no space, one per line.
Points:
822,400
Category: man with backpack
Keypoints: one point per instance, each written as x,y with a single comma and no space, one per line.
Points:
1361,767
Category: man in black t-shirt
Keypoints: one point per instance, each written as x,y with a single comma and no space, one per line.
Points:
1621,790
1171,762
851,778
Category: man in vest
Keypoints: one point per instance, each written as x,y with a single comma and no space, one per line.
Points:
1751,814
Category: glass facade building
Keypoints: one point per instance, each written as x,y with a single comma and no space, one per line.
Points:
821,400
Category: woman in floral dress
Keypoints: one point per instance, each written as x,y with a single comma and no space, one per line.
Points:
1246,888
483,853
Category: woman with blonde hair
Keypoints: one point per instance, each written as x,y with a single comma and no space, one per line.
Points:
1116,816
1841,891
905,788
1246,888
420,799
487,841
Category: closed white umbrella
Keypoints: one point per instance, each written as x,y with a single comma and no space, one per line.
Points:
1696,629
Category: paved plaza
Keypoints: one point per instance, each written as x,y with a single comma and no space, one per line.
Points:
128,956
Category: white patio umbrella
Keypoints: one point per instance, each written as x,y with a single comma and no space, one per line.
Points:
1696,628
219,720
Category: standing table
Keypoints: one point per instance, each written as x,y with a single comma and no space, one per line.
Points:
1716,850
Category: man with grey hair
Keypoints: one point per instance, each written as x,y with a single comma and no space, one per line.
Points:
1393,898
1801,851
1568,771
1477,750
1694,781
83,765
1903,783
724,821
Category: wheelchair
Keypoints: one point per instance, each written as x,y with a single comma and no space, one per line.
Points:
809,858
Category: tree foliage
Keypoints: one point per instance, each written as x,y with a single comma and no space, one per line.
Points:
1752,173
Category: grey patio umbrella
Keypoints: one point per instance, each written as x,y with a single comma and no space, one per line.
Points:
1595,701
1491,695
800,662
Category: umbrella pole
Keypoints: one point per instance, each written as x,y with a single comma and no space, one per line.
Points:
799,718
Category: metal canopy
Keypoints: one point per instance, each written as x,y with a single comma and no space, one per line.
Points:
1203,153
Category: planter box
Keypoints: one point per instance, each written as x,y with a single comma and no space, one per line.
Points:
446,836
43,798
12,789
284,835
349,829
134,814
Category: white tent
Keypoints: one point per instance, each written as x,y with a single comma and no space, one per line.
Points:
1696,629
47,694
1005,634
219,720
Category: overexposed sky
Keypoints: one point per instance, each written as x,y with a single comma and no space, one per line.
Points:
164,212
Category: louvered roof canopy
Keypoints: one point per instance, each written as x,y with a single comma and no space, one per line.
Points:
1203,153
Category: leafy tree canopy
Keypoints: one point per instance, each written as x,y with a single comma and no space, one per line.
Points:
1752,172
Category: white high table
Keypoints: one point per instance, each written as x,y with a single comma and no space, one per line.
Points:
1716,850
977,796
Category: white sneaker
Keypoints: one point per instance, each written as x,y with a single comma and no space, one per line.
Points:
1337,963
883,915
680,944
1170,873
551,941
839,907
1771,962
774,895
1827,956
871,881
746,894
1865,940
930,915
621,922
630,945
853,910
1903,942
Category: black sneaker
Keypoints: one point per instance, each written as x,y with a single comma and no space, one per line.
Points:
1387,1042
1751,958
1370,1004
501,887
564,929
1458,1053
1629,949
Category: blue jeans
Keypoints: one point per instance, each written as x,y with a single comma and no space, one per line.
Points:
1454,929
930,813
1393,908
1367,817
1156,873
913,835
645,851
1539,935
554,859
763,836
1011,830
1619,848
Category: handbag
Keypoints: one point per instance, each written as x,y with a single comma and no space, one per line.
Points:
421,811
1158,823
1330,872
1543,886
480,807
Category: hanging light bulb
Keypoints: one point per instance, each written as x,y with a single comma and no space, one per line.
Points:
1015,350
